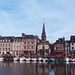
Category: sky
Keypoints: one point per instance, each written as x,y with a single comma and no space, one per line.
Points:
26,16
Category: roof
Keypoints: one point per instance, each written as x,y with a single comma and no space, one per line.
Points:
72,39
60,41
29,37
6,38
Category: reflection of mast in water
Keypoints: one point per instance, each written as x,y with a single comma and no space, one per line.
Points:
73,69
36,69
66,68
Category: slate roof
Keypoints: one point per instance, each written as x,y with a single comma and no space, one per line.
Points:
29,37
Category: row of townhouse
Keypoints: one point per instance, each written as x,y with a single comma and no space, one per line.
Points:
18,45
61,46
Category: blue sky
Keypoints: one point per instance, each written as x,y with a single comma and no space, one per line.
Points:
26,16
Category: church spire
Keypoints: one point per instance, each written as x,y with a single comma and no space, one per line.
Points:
43,32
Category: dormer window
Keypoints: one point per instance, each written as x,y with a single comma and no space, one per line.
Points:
17,40
14,40
3,40
9,40
6,40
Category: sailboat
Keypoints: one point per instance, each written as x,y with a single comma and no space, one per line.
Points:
66,59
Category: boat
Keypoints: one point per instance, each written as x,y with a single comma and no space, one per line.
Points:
22,59
45,59
16,58
52,60
66,59
1,59
72,60
33,59
28,59
40,59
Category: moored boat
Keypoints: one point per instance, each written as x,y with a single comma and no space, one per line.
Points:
28,59
52,60
40,59
33,59
45,60
66,59
22,59
16,58
1,59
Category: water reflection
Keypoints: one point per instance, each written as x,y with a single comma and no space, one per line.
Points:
33,68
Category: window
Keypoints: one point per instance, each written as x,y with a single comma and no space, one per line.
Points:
19,39
3,40
19,44
72,43
3,44
28,43
3,49
25,43
9,40
6,40
56,47
9,44
28,47
32,47
14,40
6,49
72,47
24,47
6,44
14,49
25,39
17,48
9,48
60,47
32,42
14,44
0,40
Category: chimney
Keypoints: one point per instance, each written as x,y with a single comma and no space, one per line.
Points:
63,38
0,36
23,34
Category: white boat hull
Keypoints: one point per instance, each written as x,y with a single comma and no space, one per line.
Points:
66,59
16,59
28,59
22,59
1,59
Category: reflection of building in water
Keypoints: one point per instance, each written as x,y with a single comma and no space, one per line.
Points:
59,69
43,69
64,69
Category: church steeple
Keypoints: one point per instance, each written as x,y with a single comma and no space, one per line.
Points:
43,36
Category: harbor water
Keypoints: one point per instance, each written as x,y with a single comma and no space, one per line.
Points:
36,68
